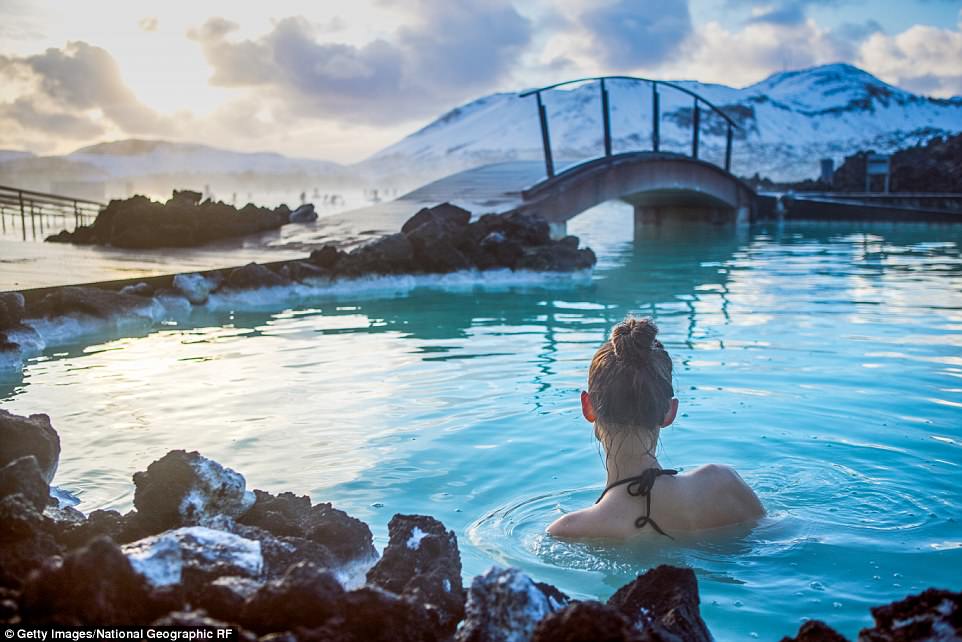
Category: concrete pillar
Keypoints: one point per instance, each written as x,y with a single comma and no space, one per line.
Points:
647,215
742,215
558,230
646,219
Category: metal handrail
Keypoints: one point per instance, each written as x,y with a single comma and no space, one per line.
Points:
38,205
52,197
666,83
656,117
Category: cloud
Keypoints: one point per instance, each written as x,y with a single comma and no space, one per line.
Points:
450,53
921,58
628,34
746,55
789,14
67,84
25,114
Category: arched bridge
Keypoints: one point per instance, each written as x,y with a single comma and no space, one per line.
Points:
658,184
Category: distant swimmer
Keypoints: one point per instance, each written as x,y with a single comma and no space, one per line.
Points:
629,400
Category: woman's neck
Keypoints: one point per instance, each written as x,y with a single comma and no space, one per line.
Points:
627,455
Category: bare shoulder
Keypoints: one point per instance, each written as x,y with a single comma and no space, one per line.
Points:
587,523
724,490
573,525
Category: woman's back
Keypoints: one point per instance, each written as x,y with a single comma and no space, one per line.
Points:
709,497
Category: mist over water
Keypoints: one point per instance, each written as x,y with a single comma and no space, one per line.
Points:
823,361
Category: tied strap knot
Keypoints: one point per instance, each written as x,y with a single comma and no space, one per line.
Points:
640,486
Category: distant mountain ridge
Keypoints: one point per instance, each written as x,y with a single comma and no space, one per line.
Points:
137,157
787,122
157,166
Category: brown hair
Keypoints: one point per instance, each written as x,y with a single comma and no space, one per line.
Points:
629,380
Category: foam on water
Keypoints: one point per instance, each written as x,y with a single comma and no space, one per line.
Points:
168,309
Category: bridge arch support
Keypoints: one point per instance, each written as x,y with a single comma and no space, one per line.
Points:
657,185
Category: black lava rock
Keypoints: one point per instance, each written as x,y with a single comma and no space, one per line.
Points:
25,540
184,488
281,552
932,615
99,523
33,435
12,309
306,596
182,221
286,514
422,562
326,257
199,620
95,302
664,602
372,615
23,476
225,597
815,631
503,605
254,275
93,585
587,622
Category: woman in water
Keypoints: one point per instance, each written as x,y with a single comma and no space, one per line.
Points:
629,400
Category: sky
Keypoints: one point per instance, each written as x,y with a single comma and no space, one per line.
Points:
339,80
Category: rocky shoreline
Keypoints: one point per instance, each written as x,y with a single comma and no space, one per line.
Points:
182,221
200,549
438,240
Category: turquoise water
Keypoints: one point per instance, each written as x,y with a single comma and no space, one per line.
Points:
823,361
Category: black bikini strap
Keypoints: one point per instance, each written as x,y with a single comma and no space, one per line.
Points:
640,486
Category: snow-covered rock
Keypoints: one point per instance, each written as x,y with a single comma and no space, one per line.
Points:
202,553
505,605
184,489
195,287
422,562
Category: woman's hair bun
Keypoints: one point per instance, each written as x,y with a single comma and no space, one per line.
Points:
634,338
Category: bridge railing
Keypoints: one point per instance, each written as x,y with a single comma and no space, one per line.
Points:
698,101
39,205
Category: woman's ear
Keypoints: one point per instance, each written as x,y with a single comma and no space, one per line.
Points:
671,414
587,409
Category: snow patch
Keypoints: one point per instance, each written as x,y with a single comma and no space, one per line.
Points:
222,491
161,559
414,541
353,575
195,287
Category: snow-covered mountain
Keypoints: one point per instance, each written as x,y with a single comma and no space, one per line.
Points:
787,123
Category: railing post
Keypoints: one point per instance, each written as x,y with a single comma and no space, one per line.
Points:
23,214
728,149
545,138
655,118
695,126
605,118
76,217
